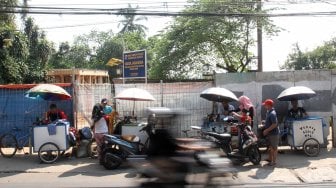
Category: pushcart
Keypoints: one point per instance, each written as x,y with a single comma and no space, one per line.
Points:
49,140
306,133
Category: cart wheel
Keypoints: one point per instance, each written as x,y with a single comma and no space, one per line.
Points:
311,147
48,152
8,145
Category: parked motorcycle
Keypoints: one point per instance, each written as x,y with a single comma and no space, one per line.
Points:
117,148
247,143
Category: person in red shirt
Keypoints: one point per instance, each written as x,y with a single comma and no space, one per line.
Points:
54,114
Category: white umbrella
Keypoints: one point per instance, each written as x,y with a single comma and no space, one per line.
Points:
218,94
296,93
135,94
48,92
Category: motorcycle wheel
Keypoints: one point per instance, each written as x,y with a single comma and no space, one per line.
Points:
254,155
226,149
111,163
197,158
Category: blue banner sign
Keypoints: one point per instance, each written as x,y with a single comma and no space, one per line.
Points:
135,64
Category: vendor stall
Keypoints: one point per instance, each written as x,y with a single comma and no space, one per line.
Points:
49,140
306,133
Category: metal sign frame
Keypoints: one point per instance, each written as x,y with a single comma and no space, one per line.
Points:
135,64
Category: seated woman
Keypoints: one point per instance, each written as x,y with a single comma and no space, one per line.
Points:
296,112
245,107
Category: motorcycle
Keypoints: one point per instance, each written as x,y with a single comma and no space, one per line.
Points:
247,143
118,148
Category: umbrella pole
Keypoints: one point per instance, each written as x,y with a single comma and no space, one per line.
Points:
133,108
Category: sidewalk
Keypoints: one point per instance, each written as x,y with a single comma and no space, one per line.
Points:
293,167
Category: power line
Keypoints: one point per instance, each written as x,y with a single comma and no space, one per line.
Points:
154,10
186,3
77,25
173,14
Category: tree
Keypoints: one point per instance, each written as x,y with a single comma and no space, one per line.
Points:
40,50
113,48
7,19
95,49
322,57
67,57
224,42
12,57
129,22
83,52
13,47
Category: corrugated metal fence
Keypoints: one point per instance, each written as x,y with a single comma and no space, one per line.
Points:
85,97
180,95
17,110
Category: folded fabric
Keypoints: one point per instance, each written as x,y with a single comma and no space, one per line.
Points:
52,129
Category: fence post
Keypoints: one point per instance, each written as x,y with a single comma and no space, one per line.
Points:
331,124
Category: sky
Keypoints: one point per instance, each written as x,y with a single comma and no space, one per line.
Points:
308,31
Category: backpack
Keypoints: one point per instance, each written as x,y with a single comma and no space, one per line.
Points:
86,133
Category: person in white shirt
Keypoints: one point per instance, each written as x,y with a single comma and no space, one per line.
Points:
99,125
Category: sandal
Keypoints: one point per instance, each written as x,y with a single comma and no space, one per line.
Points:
271,164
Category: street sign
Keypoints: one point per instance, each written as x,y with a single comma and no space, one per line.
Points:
135,64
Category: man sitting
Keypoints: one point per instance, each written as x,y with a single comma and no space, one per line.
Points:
54,114
296,112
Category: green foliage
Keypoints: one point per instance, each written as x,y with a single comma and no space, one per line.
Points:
322,57
110,49
82,53
95,49
24,55
13,55
7,19
221,41
40,50
70,57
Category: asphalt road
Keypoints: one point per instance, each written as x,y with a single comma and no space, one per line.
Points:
294,169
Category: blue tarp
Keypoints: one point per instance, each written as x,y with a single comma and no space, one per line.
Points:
18,111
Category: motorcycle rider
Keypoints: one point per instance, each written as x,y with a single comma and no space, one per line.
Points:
245,106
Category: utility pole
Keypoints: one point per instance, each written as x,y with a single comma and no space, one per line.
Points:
259,38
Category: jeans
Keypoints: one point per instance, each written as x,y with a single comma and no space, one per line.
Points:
99,137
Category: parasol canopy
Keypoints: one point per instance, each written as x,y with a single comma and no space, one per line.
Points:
218,94
296,93
135,94
48,92
113,62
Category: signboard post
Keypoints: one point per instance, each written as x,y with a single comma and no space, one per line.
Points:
135,64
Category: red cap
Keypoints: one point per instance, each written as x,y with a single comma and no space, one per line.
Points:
268,102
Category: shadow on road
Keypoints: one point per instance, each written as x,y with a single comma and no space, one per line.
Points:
67,166
287,162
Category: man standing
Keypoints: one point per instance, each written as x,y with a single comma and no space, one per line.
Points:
99,125
272,131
